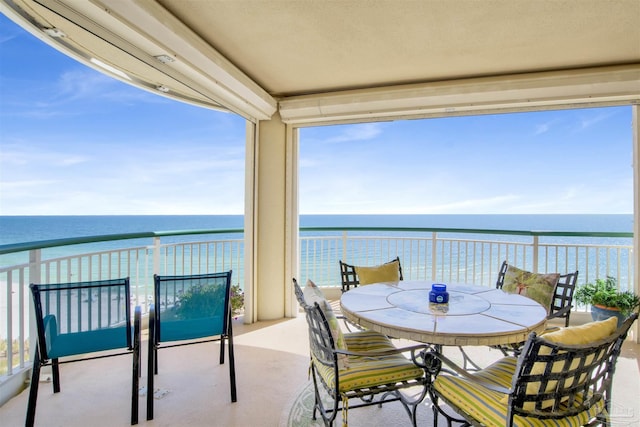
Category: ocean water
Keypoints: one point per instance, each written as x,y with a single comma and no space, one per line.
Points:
19,229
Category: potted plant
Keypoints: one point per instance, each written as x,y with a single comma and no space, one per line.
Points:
606,300
237,300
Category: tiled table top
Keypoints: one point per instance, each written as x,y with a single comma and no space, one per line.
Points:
474,315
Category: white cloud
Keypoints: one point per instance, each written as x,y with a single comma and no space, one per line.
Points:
359,132
589,119
542,128
83,83
8,186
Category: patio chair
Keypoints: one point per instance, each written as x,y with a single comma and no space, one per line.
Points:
561,302
349,275
560,378
190,309
558,301
362,365
80,321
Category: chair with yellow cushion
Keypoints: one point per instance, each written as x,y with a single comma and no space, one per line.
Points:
561,378
554,291
353,275
362,365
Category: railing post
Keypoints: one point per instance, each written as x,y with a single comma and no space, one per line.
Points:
156,255
34,276
344,245
9,316
434,255
536,248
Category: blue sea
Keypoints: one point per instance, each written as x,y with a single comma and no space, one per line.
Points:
20,229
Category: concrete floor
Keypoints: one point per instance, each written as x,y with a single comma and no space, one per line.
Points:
271,367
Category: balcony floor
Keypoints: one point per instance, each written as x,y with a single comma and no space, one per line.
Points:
271,367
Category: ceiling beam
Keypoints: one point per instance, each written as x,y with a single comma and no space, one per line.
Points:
617,85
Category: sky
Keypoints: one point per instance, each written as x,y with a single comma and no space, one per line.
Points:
74,141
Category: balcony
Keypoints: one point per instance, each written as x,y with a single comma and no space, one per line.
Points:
271,364
197,395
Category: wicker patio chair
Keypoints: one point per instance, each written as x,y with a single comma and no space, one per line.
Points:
80,321
190,309
362,365
349,277
557,380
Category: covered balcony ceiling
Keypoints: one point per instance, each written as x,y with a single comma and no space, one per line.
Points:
319,62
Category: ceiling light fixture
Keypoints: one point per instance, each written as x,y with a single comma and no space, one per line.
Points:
110,68
165,59
162,88
54,32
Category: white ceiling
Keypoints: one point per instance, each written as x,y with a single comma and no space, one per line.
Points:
306,47
321,61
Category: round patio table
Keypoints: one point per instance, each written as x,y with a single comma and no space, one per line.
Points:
474,315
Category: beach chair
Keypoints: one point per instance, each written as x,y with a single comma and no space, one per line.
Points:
80,321
190,309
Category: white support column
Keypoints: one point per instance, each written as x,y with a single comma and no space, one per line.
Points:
270,219
635,112
250,203
292,266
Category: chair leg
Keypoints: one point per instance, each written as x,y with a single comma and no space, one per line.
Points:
232,359
33,390
435,413
135,371
55,369
232,370
224,336
152,366
155,360
222,343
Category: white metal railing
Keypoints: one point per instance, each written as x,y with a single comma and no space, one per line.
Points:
439,258
442,255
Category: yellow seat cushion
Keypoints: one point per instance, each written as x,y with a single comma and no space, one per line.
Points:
366,372
389,272
488,406
583,334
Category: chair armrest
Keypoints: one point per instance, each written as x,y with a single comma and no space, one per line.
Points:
563,311
435,360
